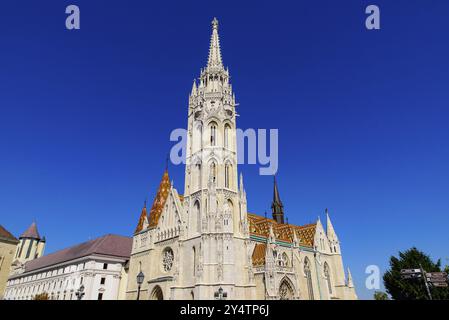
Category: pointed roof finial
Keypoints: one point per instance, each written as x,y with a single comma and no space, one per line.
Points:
350,281
31,232
193,88
215,23
214,59
166,161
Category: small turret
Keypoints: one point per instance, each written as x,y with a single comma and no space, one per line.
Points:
31,245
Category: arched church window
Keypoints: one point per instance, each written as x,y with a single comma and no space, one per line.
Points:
213,134
197,215
308,273
194,260
213,171
227,136
327,274
285,290
198,175
157,294
227,175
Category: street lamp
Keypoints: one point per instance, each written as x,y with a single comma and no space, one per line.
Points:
220,295
80,293
140,278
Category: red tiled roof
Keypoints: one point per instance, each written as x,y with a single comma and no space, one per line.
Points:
31,232
5,234
111,245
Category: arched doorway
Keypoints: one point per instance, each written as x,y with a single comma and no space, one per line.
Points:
157,294
286,290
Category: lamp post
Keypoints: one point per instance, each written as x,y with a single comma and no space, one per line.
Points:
220,294
80,293
140,278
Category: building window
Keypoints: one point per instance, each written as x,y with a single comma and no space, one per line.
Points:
103,280
308,274
105,266
227,174
213,134
213,171
100,296
328,278
227,136
29,248
194,261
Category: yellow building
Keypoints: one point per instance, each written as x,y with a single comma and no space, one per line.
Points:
8,245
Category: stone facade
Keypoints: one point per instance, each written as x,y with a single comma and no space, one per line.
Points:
204,244
8,244
99,265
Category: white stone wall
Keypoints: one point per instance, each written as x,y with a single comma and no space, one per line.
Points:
62,281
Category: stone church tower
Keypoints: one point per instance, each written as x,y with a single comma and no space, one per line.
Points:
208,224
217,225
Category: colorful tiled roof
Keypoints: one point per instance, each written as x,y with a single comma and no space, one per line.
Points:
259,254
159,200
143,217
260,226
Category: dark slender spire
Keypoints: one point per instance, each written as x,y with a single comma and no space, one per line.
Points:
277,208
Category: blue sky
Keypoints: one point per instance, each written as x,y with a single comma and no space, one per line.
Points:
85,116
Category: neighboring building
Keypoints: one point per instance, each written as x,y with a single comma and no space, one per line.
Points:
31,246
99,265
204,244
8,245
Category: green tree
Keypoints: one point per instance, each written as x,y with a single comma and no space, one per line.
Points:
414,289
379,295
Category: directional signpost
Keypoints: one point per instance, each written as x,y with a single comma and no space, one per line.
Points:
434,279
437,279
411,273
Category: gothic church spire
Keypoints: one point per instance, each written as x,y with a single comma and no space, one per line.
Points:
214,61
277,208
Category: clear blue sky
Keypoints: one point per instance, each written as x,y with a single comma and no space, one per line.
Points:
85,116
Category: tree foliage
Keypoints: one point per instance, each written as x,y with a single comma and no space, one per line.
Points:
379,295
414,289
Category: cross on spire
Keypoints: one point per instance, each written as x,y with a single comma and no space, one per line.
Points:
214,60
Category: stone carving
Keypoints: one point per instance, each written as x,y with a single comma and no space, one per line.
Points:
167,259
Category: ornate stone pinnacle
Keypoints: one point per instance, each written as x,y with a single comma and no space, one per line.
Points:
215,23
